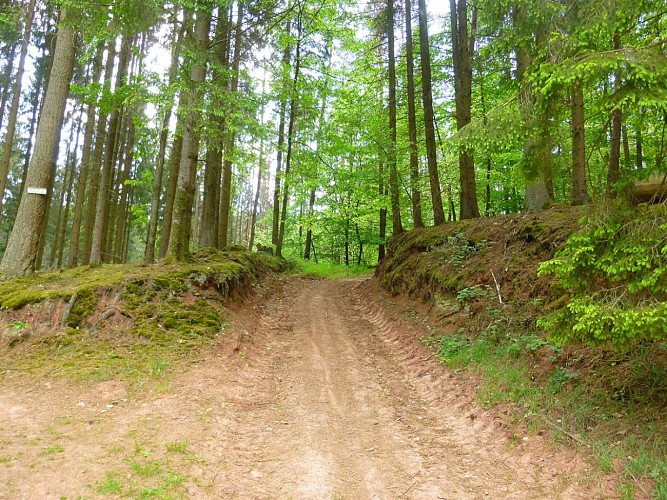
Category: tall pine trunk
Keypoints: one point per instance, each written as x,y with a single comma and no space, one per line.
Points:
82,181
225,189
397,225
579,190
22,248
110,148
156,189
463,45
429,127
14,108
181,222
412,121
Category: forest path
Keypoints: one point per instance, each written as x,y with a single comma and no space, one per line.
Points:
321,394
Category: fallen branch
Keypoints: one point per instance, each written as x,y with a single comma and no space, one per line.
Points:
495,281
564,432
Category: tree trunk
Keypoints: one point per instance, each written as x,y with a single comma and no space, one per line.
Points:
397,225
22,248
181,222
7,80
613,174
290,137
260,168
429,128
16,98
463,44
383,214
225,190
73,257
97,158
36,100
579,190
110,148
156,190
68,199
412,121
124,194
279,155
170,195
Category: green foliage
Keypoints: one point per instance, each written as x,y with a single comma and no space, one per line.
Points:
615,273
331,271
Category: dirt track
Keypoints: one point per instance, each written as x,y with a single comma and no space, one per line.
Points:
320,394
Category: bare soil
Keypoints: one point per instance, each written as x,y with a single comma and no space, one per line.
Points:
317,392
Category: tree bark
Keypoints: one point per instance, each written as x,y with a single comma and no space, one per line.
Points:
110,148
613,175
68,199
429,128
170,195
97,158
279,155
579,190
290,136
225,190
463,43
22,248
156,190
82,182
7,79
412,120
121,226
181,222
209,235
397,225
14,107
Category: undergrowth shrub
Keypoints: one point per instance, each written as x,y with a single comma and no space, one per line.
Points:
614,272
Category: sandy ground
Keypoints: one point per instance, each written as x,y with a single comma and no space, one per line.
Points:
318,393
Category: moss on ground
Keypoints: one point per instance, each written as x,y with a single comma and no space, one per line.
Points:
126,321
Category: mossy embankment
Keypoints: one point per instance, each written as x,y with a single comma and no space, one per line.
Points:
479,283
122,321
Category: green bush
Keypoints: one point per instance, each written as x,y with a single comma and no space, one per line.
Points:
614,272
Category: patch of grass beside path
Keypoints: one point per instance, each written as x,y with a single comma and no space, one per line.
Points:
331,271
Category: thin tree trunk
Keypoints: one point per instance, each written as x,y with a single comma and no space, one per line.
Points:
170,195
109,157
429,128
124,194
412,121
16,98
613,175
579,190
279,155
97,159
7,79
639,144
63,228
463,43
290,137
36,100
209,236
397,226
73,257
22,247
309,231
156,191
181,222
260,168
225,190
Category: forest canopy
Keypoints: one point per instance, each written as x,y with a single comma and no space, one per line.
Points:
314,128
